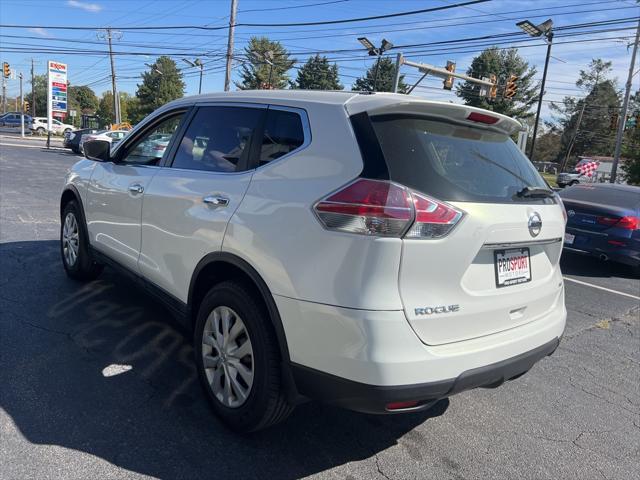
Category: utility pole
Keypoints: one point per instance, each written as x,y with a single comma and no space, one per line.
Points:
544,80
33,91
21,109
396,80
4,95
625,107
116,97
573,139
232,27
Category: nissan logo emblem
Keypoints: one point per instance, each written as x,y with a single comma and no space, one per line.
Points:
535,224
571,213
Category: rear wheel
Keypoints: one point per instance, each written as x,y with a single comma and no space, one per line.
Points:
40,130
238,360
574,182
74,248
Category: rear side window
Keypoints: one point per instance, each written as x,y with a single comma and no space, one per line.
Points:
283,133
218,139
454,162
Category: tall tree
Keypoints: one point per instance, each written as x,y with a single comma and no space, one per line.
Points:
161,84
267,65
318,74
82,98
40,87
502,63
630,169
386,77
595,134
105,108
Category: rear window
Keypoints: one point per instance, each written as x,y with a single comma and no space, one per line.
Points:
624,197
454,162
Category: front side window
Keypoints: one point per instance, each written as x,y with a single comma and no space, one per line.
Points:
218,139
283,133
151,148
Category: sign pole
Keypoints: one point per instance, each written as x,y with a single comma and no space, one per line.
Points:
21,109
49,104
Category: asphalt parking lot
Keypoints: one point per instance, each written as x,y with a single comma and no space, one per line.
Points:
96,382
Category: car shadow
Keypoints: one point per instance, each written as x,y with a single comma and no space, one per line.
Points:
100,368
588,266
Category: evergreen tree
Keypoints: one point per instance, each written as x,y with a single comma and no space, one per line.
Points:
596,132
502,63
630,170
161,84
386,77
266,66
318,74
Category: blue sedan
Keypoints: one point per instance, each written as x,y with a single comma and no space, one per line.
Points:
12,119
604,220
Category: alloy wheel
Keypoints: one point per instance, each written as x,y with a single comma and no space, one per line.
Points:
227,357
70,239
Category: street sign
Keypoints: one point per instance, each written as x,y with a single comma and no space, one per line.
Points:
56,91
58,86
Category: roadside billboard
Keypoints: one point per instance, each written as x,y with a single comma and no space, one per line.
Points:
56,91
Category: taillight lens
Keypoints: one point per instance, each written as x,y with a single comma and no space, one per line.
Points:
434,219
384,208
369,207
628,223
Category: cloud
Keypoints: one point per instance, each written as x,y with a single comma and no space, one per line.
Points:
89,7
40,32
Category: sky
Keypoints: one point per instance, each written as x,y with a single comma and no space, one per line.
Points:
136,48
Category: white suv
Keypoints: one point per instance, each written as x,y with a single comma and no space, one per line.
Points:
378,252
39,126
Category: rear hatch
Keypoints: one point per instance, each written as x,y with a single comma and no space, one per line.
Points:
498,267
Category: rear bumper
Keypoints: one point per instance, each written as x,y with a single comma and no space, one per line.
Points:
597,244
373,399
365,359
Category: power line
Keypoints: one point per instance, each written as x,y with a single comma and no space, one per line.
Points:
298,24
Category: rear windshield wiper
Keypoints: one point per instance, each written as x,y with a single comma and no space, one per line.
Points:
535,192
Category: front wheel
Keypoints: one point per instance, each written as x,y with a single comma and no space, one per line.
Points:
74,247
575,182
40,131
238,359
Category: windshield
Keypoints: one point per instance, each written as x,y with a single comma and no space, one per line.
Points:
454,162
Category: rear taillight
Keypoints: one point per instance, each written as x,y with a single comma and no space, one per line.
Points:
384,208
628,223
159,148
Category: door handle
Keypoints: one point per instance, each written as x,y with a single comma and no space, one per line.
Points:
136,188
216,201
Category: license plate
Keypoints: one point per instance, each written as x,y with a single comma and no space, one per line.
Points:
512,266
568,238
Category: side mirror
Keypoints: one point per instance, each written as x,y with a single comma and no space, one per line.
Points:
98,150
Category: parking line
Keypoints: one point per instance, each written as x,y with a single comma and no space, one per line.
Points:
601,288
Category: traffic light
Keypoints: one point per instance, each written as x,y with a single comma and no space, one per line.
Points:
447,84
493,90
25,106
614,122
6,70
511,87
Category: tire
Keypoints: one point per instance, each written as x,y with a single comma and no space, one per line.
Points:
264,403
75,150
77,261
574,182
40,131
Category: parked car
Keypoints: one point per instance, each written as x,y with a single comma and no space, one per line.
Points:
12,119
377,252
72,139
604,221
111,136
39,126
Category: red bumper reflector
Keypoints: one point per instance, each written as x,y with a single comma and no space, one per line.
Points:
617,243
402,405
